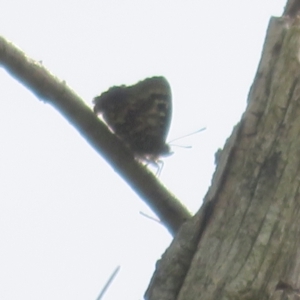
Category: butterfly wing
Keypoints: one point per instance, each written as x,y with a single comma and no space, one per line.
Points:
140,115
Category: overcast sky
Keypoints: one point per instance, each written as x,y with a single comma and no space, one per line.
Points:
66,218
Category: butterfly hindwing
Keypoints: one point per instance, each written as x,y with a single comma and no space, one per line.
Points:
139,115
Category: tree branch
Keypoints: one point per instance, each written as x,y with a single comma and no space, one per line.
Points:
49,88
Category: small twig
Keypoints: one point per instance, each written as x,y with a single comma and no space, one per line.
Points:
108,283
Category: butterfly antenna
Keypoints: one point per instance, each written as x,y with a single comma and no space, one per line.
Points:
199,130
181,146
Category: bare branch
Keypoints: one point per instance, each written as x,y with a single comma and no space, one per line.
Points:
49,88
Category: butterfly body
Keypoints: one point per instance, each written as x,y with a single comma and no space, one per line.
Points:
139,115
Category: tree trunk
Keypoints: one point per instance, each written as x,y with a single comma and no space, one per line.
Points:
244,243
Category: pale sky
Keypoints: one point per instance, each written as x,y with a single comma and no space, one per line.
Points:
66,218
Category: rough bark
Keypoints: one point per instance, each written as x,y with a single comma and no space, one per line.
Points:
244,242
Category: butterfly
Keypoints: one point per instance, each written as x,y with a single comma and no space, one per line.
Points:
139,115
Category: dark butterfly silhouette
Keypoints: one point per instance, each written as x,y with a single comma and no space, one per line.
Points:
139,115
